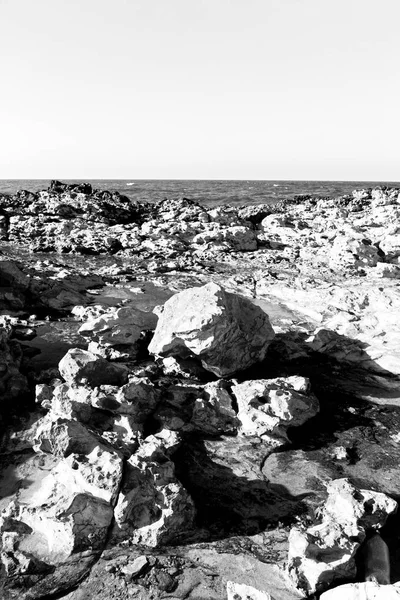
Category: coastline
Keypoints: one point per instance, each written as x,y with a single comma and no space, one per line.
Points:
85,269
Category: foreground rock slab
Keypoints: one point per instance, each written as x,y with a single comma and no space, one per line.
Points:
363,591
227,332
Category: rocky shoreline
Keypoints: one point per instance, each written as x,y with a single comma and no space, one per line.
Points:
197,402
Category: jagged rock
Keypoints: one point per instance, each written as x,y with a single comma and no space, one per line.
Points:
118,330
323,553
153,508
267,407
227,332
56,519
390,245
363,591
80,366
63,501
94,463
206,409
347,251
35,288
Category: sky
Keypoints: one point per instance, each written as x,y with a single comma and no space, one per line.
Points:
200,89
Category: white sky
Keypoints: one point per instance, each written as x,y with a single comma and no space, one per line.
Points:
207,89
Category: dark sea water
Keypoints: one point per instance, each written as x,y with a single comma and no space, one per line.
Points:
210,192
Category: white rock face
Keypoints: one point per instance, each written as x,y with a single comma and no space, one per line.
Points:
390,245
324,552
68,507
348,251
363,591
239,591
96,465
227,332
267,407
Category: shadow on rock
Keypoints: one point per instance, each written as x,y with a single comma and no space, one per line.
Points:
224,478
344,388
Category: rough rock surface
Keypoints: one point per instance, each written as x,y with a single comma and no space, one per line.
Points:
144,475
324,552
267,407
363,591
228,333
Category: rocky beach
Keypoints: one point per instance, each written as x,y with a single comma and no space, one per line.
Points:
198,403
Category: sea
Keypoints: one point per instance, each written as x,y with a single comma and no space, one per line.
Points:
207,192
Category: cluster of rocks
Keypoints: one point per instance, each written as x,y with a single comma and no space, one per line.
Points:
359,232
173,448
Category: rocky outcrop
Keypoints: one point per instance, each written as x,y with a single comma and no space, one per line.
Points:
228,333
33,289
179,480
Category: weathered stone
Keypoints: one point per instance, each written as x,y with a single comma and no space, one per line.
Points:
153,508
267,407
13,385
239,591
352,252
96,465
80,366
119,329
323,553
227,332
363,591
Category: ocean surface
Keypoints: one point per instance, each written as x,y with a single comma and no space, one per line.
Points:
209,192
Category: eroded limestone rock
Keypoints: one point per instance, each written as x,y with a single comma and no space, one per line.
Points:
153,508
323,553
225,331
80,366
267,407
117,331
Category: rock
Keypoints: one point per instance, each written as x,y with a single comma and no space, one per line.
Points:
39,288
238,591
363,591
323,553
267,407
387,270
13,385
390,245
80,366
94,463
153,508
57,519
213,413
132,569
118,330
204,409
227,332
348,251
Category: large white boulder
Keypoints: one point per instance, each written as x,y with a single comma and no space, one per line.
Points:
226,331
